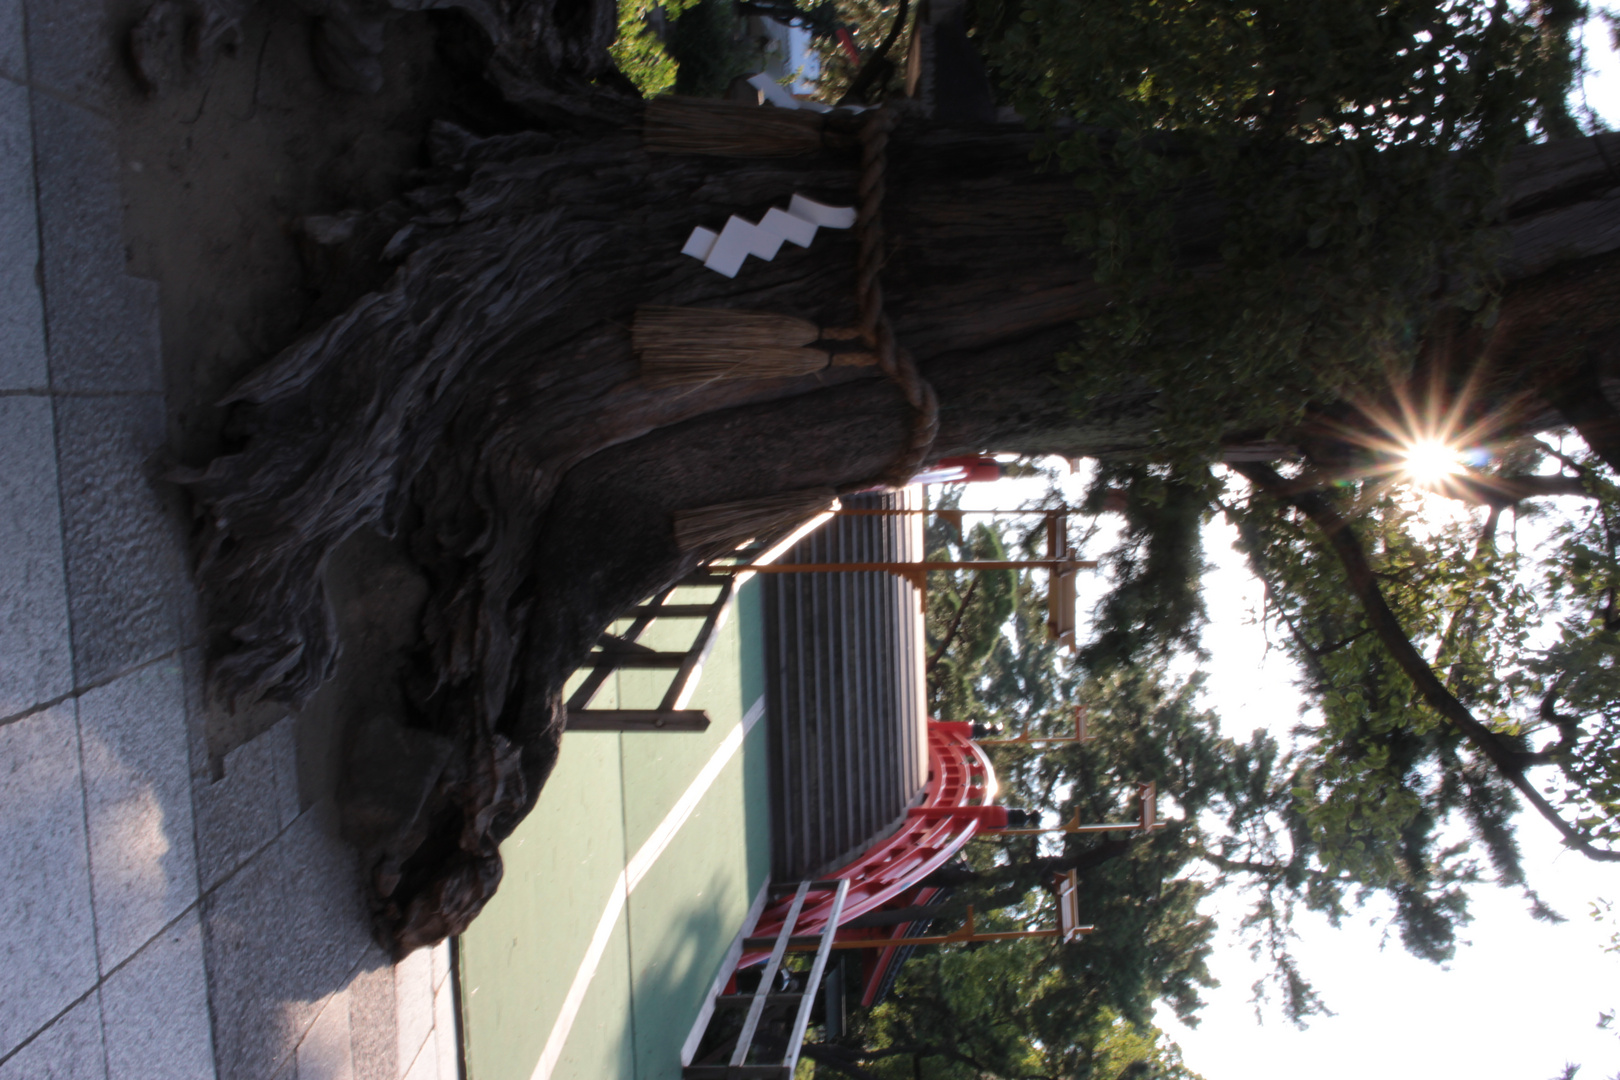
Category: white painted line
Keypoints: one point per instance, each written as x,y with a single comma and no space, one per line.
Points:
660,839
630,877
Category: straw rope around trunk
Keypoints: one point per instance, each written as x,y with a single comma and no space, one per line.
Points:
724,527
687,125
895,362
685,346
777,343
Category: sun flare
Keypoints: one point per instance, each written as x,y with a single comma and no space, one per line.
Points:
1429,461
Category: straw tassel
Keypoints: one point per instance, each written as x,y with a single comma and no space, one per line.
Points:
727,526
683,346
683,125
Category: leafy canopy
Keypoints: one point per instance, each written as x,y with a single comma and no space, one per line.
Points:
1354,150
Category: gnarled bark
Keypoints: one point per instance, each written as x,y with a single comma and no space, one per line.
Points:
484,406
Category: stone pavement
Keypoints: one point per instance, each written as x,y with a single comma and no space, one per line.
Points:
165,915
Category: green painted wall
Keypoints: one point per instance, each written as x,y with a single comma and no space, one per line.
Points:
607,796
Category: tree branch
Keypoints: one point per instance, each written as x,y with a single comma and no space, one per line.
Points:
1568,728
1580,398
1257,566
1502,491
956,624
877,65
1364,583
1264,870
1084,860
834,1057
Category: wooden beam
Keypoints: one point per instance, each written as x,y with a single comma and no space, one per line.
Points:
675,611
622,660
637,720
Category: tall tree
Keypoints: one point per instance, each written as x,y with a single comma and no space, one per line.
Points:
1252,250
1040,1008
1003,1012
1233,810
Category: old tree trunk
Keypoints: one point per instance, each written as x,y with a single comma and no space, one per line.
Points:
483,407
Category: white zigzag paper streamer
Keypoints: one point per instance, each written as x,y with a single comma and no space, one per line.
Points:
774,93
724,251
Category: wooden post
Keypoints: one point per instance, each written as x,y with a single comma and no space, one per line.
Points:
1080,735
638,720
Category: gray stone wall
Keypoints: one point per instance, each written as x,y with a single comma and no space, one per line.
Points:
164,915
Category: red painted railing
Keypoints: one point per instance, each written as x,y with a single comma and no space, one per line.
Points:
957,803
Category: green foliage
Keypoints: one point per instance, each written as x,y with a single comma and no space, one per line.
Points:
1353,147
1154,606
1602,912
1384,777
637,51
1353,152
1004,1011
964,618
710,48
868,22
1579,674
1384,772
1227,799
1380,796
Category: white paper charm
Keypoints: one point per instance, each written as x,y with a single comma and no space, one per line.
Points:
773,91
700,243
828,217
790,227
724,252
735,242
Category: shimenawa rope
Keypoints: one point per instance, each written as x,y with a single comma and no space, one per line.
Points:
734,522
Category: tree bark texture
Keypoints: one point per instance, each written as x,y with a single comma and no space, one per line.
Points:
548,57
484,408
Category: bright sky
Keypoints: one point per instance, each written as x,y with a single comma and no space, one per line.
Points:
1518,1002
1600,90
1520,999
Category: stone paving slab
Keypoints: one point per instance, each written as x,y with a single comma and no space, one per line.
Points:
35,657
155,1009
72,50
413,1004
102,323
13,57
169,915
143,869
444,1021
372,1019
124,558
285,931
22,312
238,815
327,1052
70,1049
48,952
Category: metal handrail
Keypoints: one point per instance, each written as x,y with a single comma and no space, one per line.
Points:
738,1066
